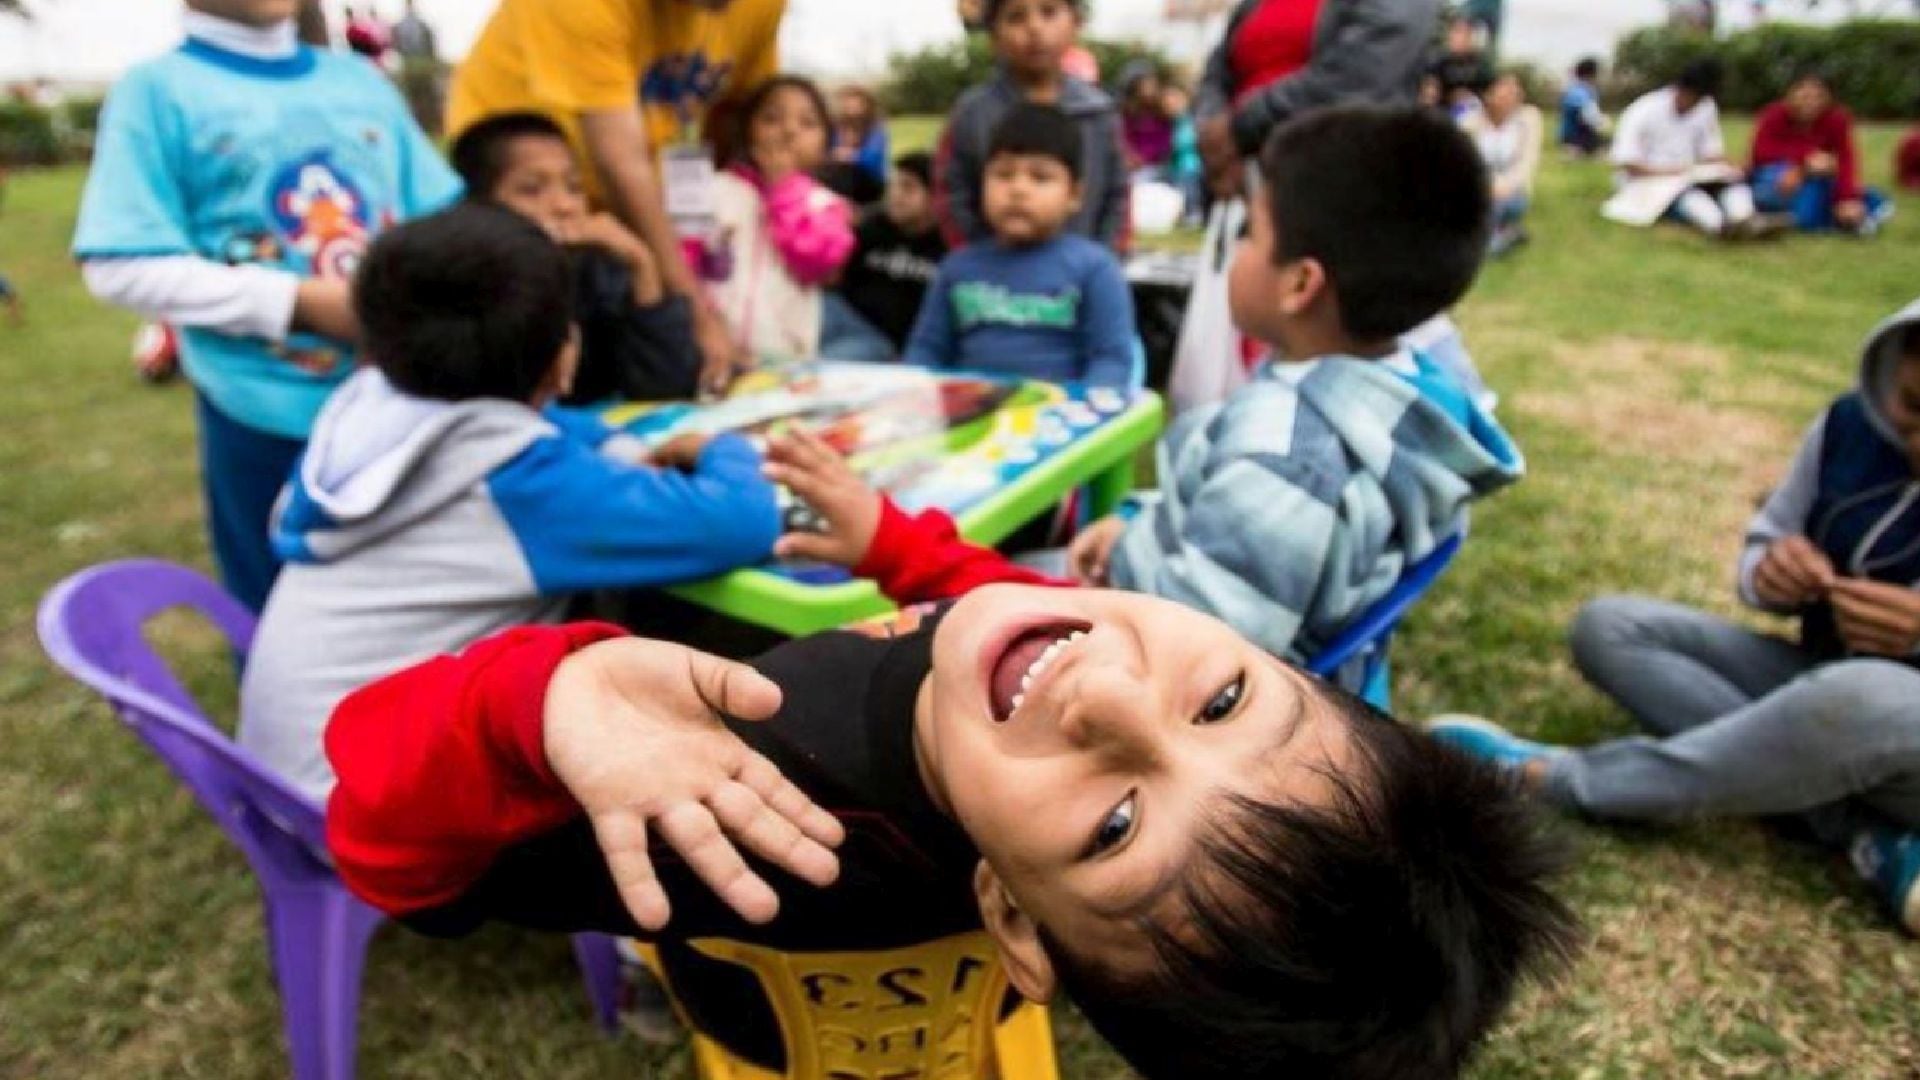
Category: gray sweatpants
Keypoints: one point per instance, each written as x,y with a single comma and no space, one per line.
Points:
1743,725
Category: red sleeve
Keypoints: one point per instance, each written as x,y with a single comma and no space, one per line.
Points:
922,557
1846,151
1906,162
442,766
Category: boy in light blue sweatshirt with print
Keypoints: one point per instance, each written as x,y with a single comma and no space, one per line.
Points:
437,503
236,183
1292,506
1035,301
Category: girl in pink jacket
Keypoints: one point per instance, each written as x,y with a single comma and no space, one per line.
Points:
782,235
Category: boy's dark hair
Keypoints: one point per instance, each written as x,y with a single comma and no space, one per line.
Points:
1701,76
479,155
1811,73
1030,130
1588,68
918,164
736,141
472,302
1393,203
1374,939
990,13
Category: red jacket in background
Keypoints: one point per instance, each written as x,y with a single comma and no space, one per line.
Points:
443,766
1778,138
1906,161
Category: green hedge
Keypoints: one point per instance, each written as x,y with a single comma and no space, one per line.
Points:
931,80
27,135
1874,65
83,114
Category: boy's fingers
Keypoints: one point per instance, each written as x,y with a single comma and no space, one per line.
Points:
693,831
814,450
623,843
1865,612
807,546
752,823
1807,564
730,688
789,801
794,478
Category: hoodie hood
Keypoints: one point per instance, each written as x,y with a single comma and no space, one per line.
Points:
1877,361
380,459
1429,452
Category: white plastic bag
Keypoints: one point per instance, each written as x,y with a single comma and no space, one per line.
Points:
1206,362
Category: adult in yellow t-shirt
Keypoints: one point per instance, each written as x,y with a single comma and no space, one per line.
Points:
625,78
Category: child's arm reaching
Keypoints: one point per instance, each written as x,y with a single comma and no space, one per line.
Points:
445,766
912,558
586,522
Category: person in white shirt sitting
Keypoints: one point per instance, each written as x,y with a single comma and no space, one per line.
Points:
1673,164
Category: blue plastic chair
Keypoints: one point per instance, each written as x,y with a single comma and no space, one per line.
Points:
92,626
1368,636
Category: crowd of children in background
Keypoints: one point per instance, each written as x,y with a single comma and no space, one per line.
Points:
374,357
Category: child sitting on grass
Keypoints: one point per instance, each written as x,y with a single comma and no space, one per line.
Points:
437,504
897,252
780,235
1233,869
636,339
1030,39
1299,501
1746,724
1036,301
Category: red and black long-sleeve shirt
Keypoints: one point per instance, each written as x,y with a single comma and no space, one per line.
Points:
447,816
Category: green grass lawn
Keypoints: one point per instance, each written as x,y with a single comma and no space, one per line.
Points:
1658,383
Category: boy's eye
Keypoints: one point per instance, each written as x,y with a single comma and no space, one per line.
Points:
1114,827
1223,704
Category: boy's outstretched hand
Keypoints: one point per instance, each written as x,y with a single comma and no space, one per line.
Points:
1090,556
632,729
1875,618
1793,573
808,467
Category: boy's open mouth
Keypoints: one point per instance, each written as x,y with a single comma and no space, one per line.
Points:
1024,659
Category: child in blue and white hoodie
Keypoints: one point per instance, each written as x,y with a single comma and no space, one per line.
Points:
1823,730
437,503
236,183
1299,501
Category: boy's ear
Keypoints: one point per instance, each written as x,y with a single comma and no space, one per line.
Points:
1016,937
1303,282
1076,196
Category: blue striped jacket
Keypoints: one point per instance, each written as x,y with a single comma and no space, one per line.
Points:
1290,507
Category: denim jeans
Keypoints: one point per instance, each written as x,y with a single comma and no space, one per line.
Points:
242,470
845,334
1742,725
1811,205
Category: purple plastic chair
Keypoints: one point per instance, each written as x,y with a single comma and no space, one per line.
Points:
91,625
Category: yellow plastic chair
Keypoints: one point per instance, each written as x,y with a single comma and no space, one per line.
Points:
921,1013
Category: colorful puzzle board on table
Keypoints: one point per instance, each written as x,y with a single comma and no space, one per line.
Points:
926,439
